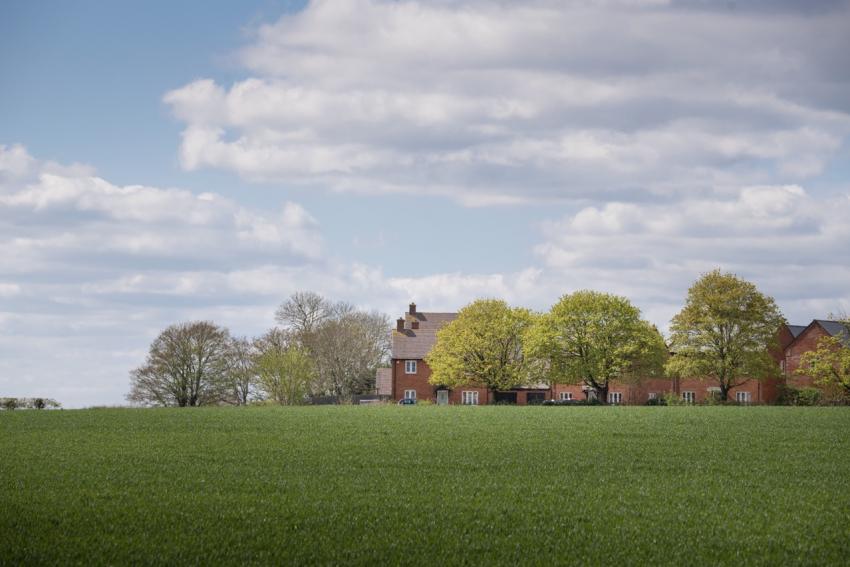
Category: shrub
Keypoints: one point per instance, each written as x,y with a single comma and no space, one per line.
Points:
791,396
10,404
657,401
808,397
674,399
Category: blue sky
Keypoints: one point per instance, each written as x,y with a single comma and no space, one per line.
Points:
169,161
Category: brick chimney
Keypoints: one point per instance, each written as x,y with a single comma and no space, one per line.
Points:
412,309
399,324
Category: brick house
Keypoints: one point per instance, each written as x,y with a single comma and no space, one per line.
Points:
416,333
413,338
801,339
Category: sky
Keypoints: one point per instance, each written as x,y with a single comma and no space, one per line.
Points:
172,161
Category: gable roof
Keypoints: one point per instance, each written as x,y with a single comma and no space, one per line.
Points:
832,328
835,329
416,343
795,330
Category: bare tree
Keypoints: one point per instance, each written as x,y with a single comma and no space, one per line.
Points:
346,344
347,350
242,372
275,339
303,312
187,366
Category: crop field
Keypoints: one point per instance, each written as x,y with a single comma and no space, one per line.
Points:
426,485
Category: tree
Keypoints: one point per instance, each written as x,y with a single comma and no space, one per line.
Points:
187,365
242,372
829,363
725,332
286,375
593,338
303,312
482,347
347,348
346,344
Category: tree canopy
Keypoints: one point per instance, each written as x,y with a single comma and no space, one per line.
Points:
829,363
286,375
725,332
593,338
482,346
187,365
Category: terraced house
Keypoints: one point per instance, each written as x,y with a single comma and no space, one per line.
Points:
415,334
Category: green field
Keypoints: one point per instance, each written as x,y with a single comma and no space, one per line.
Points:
426,485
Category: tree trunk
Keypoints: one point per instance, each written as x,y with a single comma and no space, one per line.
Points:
724,392
602,393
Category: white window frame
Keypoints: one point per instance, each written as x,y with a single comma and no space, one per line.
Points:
652,396
469,397
615,398
743,397
410,367
410,394
689,397
565,396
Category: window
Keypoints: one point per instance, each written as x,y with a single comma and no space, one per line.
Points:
653,395
566,396
689,397
410,394
615,397
410,367
742,397
469,398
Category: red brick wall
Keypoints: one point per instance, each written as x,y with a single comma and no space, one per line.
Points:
633,394
418,381
804,343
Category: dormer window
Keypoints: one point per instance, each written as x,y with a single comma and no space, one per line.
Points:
410,367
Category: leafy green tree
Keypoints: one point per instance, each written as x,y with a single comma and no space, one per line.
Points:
482,347
593,338
828,364
286,374
725,333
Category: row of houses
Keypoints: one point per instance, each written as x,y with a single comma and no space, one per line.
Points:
416,333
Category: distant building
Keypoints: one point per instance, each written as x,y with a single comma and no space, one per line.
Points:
415,334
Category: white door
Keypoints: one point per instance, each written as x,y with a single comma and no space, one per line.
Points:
442,397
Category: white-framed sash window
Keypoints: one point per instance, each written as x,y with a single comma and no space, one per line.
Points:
469,398
410,394
615,397
410,367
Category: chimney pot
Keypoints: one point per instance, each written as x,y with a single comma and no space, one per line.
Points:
399,325
412,308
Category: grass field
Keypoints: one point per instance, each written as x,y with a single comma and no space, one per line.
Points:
427,485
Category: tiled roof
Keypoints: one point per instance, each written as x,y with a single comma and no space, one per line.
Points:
796,330
836,329
416,343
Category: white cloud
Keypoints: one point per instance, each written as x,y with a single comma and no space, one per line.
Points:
792,244
495,103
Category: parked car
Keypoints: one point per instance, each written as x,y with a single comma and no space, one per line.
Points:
407,402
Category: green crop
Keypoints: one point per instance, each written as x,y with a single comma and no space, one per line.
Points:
426,485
